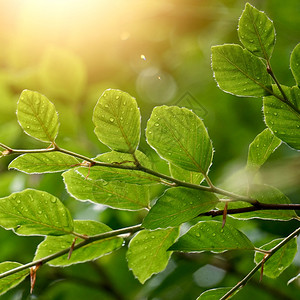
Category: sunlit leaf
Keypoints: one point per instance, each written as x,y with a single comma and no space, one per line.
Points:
114,194
209,236
147,253
256,32
261,148
178,205
239,72
213,294
35,163
92,251
280,260
33,212
179,136
282,119
11,281
185,175
37,116
295,63
117,121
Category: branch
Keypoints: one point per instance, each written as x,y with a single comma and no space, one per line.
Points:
87,241
244,281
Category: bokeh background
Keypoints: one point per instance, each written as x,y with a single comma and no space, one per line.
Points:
159,52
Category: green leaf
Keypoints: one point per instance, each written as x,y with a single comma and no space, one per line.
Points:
117,121
114,194
265,194
11,281
261,148
280,260
213,294
147,252
115,174
180,137
37,116
283,120
185,175
33,212
239,72
256,32
36,163
209,236
295,63
92,251
179,205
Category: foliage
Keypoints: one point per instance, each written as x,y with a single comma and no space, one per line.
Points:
174,204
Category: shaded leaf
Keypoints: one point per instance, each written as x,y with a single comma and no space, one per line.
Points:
295,63
179,136
213,294
185,175
88,252
239,72
147,252
33,212
209,236
37,116
261,148
280,260
114,194
11,281
256,32
283,120
179,205
35,163
117,121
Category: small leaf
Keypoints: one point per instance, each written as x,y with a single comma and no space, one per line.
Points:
13,280
295,64
114,194
213,294
180,137
283,120
256,32
37,116
185,175
36,163
115,174
147,252
239,72
280,260
92,251
261,148
33,212
179,205
117,121
209,236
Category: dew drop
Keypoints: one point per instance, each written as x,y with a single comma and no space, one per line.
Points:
111,119
27,126
53,200
213,234
40,212
117,97
18,201
156,124
106,105
153,237
275,113
191,203
198,234
124,103
150,132
104,95
275,131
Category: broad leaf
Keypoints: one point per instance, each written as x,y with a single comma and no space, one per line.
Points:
185,175
117,121
147,253
280,260
256,32
213,294
33,212
180,137
261,148
115,174
209,236
92,251
295,64
11,281
35,163
37,116
282,119
239,72
178,205
114,194
269,195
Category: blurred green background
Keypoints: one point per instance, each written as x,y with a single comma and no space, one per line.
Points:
159,52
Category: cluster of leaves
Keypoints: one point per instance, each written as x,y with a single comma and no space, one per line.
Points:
124,178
